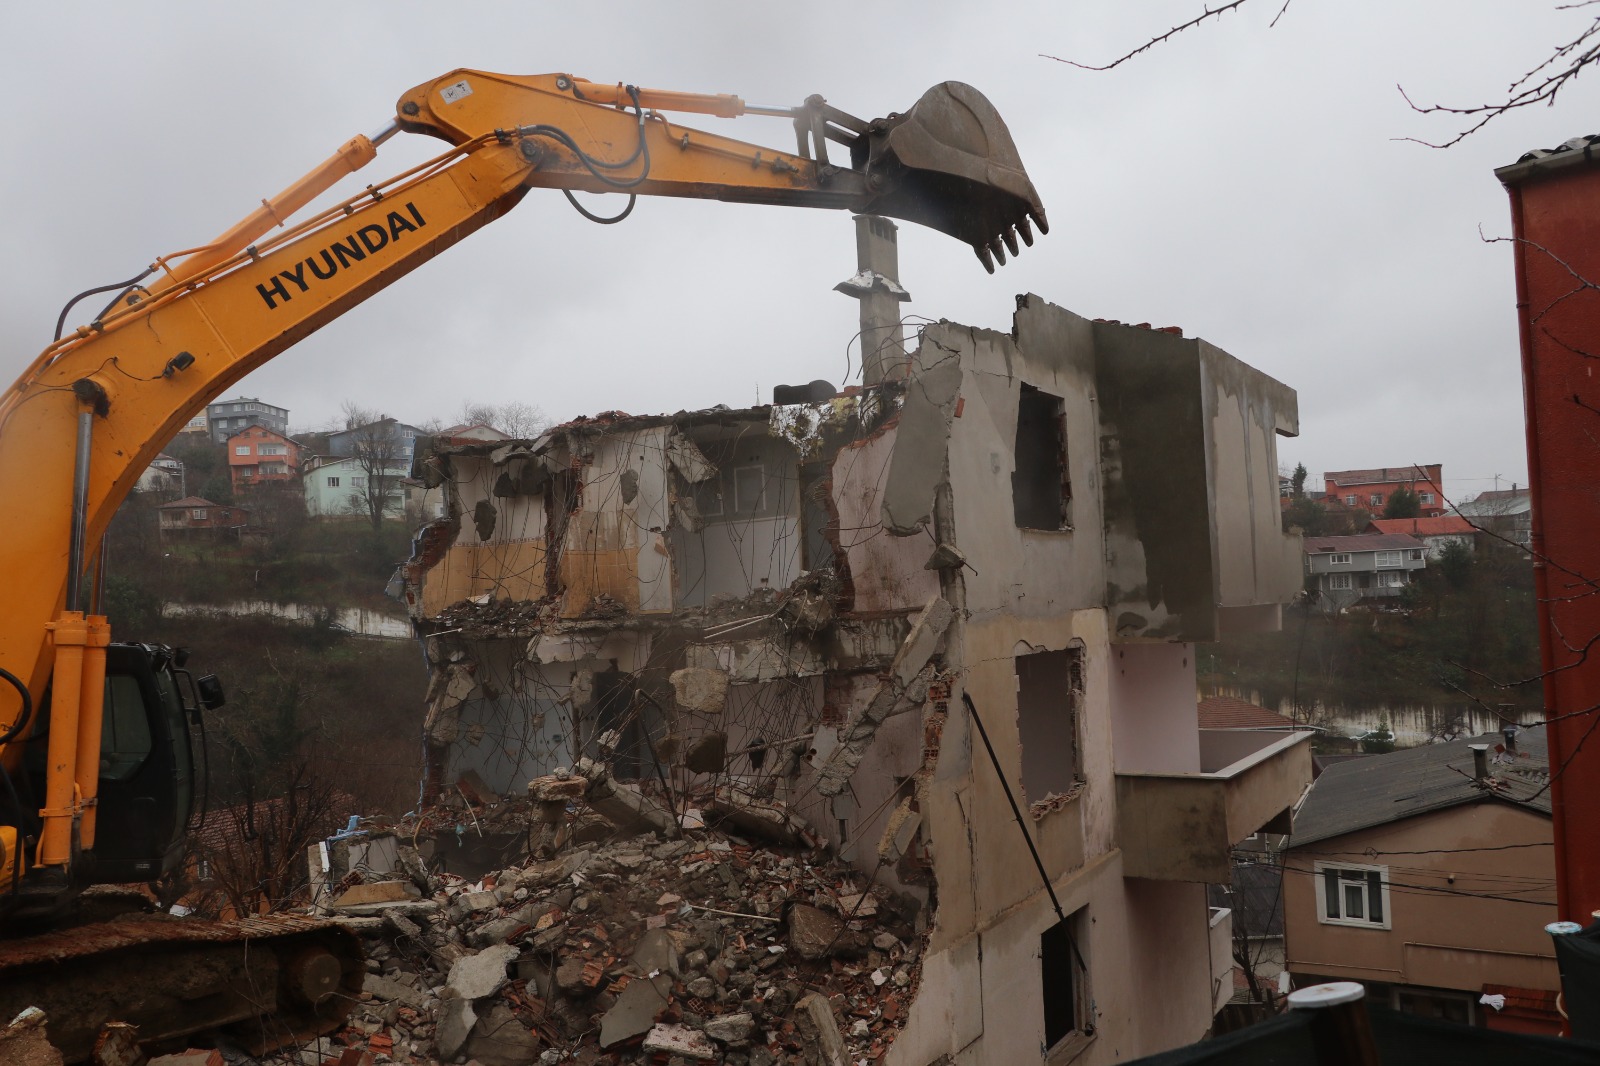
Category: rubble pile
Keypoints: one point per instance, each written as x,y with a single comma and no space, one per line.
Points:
653,946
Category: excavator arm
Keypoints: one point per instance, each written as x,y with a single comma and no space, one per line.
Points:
97,405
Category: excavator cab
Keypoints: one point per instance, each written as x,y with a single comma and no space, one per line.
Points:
147,774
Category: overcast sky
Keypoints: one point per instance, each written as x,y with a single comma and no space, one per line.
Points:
1244,183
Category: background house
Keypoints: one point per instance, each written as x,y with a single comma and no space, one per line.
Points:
258,454
1506,512
227,417
1429,878
164,475
193,514
337,488
471,431
1371,488
386,438
1436,534
1368,567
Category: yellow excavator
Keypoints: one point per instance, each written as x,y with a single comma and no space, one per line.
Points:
97,769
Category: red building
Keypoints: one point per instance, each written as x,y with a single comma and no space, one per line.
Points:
257,454
1555,225
1370,489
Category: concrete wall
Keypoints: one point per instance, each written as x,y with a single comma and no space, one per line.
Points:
1444,932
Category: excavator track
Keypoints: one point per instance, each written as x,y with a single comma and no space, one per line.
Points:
271,981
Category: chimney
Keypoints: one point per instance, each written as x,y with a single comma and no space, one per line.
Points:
1509,731
1480,762
877,285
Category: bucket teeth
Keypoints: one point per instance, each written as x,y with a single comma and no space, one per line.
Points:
998,250
1010,237
984,257
1040,221
1026,231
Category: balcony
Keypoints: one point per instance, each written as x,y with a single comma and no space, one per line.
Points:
1182,826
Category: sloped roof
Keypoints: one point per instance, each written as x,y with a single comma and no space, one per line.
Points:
1380,789
188,501
1228,712
1380,475
1365,542
1422,527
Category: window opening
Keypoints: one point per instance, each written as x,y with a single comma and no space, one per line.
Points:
1041,488
1049,692
1064,980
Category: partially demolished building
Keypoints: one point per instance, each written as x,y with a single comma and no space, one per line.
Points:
817,617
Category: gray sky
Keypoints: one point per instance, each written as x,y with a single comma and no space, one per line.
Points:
1242,182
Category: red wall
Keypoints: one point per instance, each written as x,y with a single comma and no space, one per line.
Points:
1556,216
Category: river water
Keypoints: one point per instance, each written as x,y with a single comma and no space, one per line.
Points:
361,621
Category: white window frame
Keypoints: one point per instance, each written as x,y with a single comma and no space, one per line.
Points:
1424,497
1340,582
241,449
1349,501
1319,871
198,514
333,482
1392,579
1375,500
1339,559
1414,554
1387,559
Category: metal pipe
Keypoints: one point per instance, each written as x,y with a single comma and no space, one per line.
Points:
80,511
390,128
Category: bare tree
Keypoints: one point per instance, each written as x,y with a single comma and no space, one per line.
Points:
1540,84
379,450
514,418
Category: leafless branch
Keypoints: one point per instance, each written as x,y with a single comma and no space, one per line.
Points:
1540,85
1209,13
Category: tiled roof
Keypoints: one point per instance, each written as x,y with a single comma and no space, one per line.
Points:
1366,542
1380,789
1227,712
1375,476
188,501
1422,527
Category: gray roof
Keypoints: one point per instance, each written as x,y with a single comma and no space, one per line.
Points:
1579,151
1364,542
1363,793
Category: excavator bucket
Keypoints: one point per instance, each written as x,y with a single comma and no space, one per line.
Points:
950,163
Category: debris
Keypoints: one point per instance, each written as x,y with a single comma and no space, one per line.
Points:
623,804
679,1040
477,976
697,948
635,1011
708,754
118,1045
192,1057
905,685
748,813
376,892
499,1039
819,1032
456,1019
813,933
700,689
25,1043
